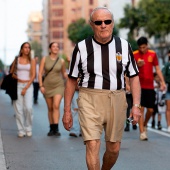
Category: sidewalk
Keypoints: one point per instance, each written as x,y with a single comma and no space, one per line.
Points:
71,149
2,157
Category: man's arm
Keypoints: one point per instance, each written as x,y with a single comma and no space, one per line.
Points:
68,95
159,73
136,94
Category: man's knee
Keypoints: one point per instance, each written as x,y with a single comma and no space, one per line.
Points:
150,110
93,144
113,147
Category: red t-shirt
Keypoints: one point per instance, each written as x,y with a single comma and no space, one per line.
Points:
146,71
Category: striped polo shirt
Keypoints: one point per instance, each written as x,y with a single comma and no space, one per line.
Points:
102,66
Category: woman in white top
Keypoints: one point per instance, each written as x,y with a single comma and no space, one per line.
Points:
25,70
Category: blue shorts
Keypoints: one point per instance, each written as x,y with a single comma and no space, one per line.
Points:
167,96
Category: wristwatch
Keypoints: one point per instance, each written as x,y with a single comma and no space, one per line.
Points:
137,105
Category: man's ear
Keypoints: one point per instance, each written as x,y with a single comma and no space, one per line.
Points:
90,23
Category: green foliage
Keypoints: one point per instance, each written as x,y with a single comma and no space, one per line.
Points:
132,42
1,65
152,15
115,30
133,18
65,59
37,48
158,17
84,32
80,30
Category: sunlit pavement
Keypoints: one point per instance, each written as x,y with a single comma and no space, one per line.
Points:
68,153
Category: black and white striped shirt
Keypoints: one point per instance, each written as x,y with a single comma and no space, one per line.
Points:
102,66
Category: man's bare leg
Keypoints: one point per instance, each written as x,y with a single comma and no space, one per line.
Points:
92,154
148,116
141,121
111,155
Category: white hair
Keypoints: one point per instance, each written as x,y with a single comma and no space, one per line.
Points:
98,8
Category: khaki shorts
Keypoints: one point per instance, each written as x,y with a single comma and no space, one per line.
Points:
102,109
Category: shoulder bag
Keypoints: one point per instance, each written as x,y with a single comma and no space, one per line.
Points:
45,75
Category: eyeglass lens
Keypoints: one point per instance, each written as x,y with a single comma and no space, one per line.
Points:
107,22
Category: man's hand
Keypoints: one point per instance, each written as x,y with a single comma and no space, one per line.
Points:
67,120
163,86
140,63
136,114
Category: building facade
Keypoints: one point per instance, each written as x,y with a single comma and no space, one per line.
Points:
34,31
45,28
60,14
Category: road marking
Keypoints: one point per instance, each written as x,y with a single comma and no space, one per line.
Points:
2,156
161,132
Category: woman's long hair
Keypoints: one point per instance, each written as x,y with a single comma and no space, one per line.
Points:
20,52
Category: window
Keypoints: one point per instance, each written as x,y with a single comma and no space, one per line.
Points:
91,2
57,23
57,34
54,2
57,12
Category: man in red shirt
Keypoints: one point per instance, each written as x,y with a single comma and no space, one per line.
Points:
147,59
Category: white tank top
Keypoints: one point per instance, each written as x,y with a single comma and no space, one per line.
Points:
23,71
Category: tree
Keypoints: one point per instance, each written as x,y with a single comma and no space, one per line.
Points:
152,16
37,48
1,65
80,30
158,17
158,22
133,19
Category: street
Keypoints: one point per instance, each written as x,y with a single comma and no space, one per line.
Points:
41,152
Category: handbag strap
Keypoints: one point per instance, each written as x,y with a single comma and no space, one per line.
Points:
52,67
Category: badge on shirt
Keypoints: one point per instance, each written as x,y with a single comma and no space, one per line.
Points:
150,59
119,57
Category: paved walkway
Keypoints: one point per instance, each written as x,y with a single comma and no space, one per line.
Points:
2,157
125,145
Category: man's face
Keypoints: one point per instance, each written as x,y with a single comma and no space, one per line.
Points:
103,31
143,48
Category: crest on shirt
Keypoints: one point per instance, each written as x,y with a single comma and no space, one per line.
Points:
119,56
150,59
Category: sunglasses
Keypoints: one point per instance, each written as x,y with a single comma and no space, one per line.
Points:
107,22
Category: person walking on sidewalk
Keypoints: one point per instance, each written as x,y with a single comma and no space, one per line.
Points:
53,86
100,62
25,71
129,100
147,59
36,82
75,130
166,73
160,105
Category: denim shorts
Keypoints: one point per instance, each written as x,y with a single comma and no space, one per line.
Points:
167,96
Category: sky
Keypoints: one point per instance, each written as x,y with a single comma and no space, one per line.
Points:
13,25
